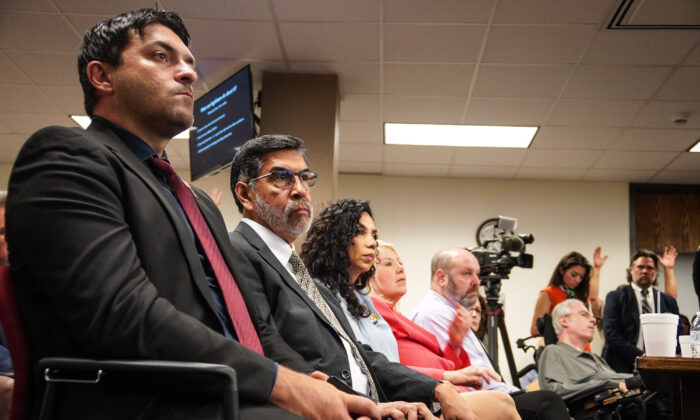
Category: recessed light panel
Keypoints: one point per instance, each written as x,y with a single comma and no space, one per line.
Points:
459,135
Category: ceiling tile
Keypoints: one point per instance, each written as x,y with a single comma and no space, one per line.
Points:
591,138
655,139
473,171
551,11
586,112
361,132
413,79
448,11
27,123
660,114
677,177
360,167
217,9
234,40
537,44
613,175
10,142
644,47
10,74
27,6
354,77
16,32
69,99
360,107
410,169
483,156
109,7
83,23
46,68
634,160
693,58
423,109
332,41
24,98
432,43
683,85
540,158
686,162
502,80
418,154
215,71
508,111
323,10
615,82
550,173
5,129
355,152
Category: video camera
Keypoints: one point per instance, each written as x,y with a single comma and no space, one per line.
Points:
497,241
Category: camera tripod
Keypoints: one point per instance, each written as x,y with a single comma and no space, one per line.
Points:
494,321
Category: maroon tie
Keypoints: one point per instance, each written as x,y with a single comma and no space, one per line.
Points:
235,304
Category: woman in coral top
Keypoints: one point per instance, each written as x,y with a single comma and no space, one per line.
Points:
573,278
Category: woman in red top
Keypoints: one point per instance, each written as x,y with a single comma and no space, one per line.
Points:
575,278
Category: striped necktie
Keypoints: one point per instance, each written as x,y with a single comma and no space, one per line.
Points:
646,308
307,283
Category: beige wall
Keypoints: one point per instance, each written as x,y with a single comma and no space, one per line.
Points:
422,215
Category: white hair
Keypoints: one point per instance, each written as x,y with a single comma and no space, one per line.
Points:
561,310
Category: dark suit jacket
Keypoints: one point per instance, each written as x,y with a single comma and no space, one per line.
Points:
621,326
105,267
283,304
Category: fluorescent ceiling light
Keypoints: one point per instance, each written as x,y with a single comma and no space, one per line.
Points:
696,148
84,122
459,135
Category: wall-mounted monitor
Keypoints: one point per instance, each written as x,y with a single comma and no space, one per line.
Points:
224,120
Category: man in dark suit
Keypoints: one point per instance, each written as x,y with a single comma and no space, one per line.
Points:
271,182
110,258
623,338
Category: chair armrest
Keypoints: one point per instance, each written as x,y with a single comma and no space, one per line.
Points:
58,370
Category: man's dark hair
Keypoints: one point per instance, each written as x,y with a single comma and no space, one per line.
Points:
644,253
325,251
248,161
106,41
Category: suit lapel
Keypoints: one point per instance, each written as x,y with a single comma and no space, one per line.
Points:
104,135
266,254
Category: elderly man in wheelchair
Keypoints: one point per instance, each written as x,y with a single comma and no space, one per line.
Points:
590,388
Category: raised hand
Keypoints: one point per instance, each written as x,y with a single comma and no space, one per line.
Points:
668,259
598,261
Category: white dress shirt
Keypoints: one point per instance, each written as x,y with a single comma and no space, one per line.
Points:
282,251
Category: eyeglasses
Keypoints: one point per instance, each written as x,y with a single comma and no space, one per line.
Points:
475,311
282,178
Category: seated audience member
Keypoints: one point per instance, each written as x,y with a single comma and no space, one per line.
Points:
114,257
419,348
477,314
623,336
684,327
339,252
573,278
454,286
271,182
567,369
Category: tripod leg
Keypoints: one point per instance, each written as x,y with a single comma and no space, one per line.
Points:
509,350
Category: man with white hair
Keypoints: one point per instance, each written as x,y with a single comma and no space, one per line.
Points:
566,368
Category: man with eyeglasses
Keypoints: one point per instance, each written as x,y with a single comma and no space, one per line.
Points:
567,369
271,184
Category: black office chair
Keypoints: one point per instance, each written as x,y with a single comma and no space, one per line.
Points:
62,375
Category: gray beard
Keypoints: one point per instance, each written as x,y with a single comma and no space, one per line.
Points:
467,301
278,219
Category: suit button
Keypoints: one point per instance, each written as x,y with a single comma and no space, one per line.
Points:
345,374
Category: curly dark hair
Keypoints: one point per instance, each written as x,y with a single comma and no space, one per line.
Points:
325,251
569,260
106,41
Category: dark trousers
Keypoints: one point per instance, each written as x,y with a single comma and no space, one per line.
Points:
541,405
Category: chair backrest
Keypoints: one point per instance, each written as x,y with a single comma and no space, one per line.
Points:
546,329
16,342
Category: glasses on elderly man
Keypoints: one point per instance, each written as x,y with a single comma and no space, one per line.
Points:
282,178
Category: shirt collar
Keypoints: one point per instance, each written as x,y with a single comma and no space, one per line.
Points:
279,247
137,146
